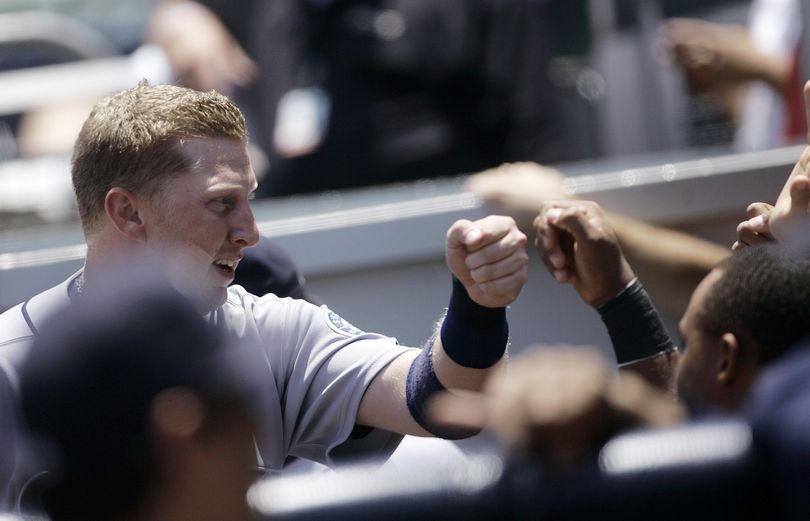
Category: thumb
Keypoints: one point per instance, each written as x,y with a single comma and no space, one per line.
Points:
757,209
799,195
463,234
572,220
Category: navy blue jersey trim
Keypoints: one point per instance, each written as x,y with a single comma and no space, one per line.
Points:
27,318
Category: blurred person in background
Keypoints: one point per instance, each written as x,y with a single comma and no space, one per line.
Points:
266,268
344,94
751,72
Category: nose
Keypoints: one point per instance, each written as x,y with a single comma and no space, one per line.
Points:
245,232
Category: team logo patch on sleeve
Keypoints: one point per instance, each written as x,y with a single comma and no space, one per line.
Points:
337,324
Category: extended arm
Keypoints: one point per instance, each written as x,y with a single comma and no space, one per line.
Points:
579,247
671,262
489,263
789,215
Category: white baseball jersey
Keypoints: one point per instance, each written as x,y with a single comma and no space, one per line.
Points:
317,368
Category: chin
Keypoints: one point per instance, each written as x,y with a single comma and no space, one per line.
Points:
218,297
211,298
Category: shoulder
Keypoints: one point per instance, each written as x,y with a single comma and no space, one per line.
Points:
267,310
282,318
19,325
13,326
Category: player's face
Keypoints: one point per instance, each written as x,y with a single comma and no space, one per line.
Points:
203,220
700,352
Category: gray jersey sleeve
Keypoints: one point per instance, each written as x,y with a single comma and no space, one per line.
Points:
321,366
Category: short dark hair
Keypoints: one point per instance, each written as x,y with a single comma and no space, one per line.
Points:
133,139
763,297
87,386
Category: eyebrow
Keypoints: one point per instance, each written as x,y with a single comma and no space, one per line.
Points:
226,187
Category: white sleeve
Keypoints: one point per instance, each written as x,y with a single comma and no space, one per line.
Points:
323,366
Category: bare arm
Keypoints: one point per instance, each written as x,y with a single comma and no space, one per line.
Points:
670,262
658,370
489,260
788,216
579,247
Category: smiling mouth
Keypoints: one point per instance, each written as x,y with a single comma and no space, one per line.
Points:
227,268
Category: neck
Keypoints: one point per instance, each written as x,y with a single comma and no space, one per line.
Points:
108,255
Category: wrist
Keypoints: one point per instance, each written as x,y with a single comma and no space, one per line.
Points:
421,385
473,335
634,325
608,296
623,281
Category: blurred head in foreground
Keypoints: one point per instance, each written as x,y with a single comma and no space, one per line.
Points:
139,410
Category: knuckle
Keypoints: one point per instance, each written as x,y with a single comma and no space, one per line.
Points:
483,273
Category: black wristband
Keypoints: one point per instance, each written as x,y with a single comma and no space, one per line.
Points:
472,335
634,325
421,385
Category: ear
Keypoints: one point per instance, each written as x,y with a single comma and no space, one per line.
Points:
176,413
175,419
730,359
122,209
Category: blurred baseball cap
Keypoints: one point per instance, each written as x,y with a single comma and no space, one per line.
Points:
266,268
96,366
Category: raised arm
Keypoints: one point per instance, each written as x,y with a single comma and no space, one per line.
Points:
790,212
579,247
489,265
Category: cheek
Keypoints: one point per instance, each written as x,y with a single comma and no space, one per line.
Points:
693,376
682,373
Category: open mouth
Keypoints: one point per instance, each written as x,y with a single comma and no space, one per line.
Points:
227,268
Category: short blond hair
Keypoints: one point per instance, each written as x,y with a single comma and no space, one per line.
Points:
133,140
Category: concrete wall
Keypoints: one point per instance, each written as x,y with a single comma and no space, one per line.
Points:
376,256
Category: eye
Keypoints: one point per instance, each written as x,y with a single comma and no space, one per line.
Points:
225,203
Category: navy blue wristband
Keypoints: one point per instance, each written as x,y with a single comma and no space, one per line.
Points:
634,325
420,386
472,335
